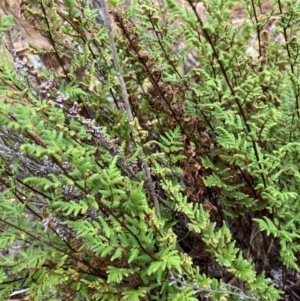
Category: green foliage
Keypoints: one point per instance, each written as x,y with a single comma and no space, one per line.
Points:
195,197
6,24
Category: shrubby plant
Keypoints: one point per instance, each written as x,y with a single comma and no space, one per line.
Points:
151,158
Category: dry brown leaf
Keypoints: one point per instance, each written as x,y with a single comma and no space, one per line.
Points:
29,34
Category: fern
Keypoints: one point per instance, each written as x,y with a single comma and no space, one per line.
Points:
96,206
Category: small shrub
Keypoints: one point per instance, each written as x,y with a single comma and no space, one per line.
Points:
154,158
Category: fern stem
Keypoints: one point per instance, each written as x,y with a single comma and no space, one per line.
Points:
257,28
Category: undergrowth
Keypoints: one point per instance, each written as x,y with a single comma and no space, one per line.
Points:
152,158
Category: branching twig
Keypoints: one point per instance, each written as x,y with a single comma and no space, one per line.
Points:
180,283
